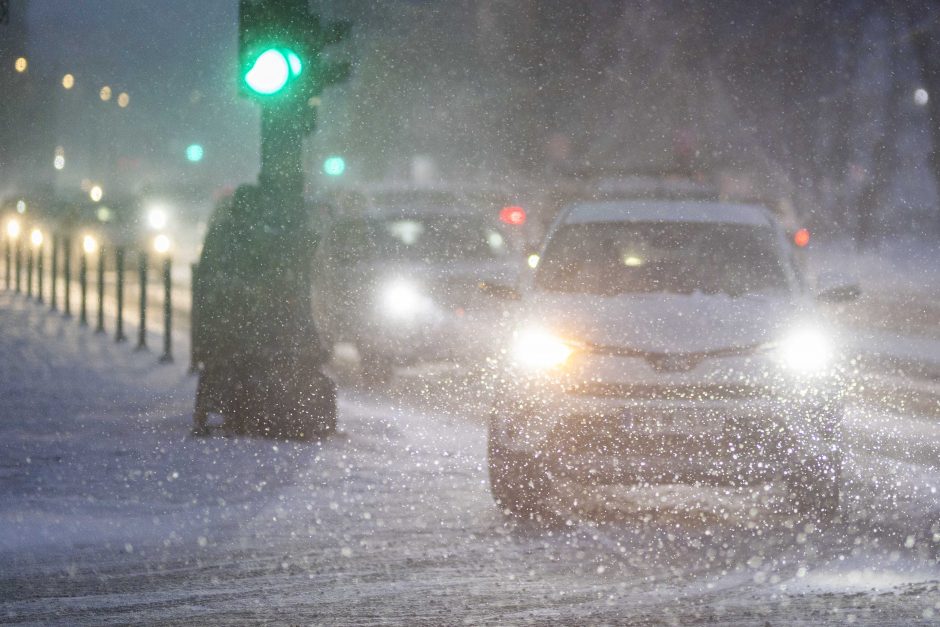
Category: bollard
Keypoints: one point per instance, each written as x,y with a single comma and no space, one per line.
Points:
19,263
67,275
39,269
8,267
53,276
119,269
29,272
167,356
83,287
99,328
193,316
142,329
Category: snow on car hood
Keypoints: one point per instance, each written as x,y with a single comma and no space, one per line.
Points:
663,323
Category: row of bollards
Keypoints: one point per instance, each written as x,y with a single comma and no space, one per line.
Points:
61,249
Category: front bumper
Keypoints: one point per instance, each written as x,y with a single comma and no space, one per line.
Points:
721,435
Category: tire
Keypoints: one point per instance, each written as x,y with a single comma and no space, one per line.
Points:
519,484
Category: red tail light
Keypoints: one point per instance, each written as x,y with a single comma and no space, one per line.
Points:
512,215
801,238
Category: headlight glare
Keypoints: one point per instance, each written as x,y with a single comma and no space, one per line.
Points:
806,351
402,299
538,349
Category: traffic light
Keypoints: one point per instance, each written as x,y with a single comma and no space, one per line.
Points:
280,44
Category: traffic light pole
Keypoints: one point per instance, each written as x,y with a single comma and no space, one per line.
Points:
287,259
282,155
267,368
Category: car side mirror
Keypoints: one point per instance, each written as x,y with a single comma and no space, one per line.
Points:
500,291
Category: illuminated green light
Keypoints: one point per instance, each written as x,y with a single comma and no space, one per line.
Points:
334,166
194,153
294,62
269,73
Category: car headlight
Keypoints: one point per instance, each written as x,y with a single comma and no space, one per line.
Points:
157,218
538,349
806,351
402,299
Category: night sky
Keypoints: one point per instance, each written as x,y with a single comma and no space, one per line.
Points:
175,58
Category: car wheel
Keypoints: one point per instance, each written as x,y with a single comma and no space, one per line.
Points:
815,489
519,483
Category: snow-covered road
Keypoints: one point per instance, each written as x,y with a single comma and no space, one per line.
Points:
110,512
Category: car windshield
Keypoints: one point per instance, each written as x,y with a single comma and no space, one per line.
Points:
420,238
671,257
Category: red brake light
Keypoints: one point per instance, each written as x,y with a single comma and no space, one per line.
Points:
801,238
512,215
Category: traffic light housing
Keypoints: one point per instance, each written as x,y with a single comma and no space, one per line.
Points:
280,45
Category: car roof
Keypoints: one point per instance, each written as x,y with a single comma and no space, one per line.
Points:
667,211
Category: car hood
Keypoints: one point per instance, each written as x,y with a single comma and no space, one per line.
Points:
663,323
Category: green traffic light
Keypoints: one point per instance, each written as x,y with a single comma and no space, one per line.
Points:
294,62
334,166
272,70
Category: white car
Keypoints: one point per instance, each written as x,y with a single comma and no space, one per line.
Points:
666,342
402,285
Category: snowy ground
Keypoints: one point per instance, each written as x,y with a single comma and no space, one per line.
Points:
111,513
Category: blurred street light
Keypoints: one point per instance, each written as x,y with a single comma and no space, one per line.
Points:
13,228
59,162
95,193
20,64
334,166
105,93
103,214
921,97
195,153
162,244
123,99
21,206
36,238
68,81
157,218
89,244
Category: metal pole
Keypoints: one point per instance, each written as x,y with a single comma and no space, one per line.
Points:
142,329
8,274
119,270
53,277
19,264
29,271
67,270
83,284
99,328
40,253
167,356
193,316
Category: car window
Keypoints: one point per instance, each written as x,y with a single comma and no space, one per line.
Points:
671,257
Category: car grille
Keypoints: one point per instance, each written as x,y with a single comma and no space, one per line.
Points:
650,392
